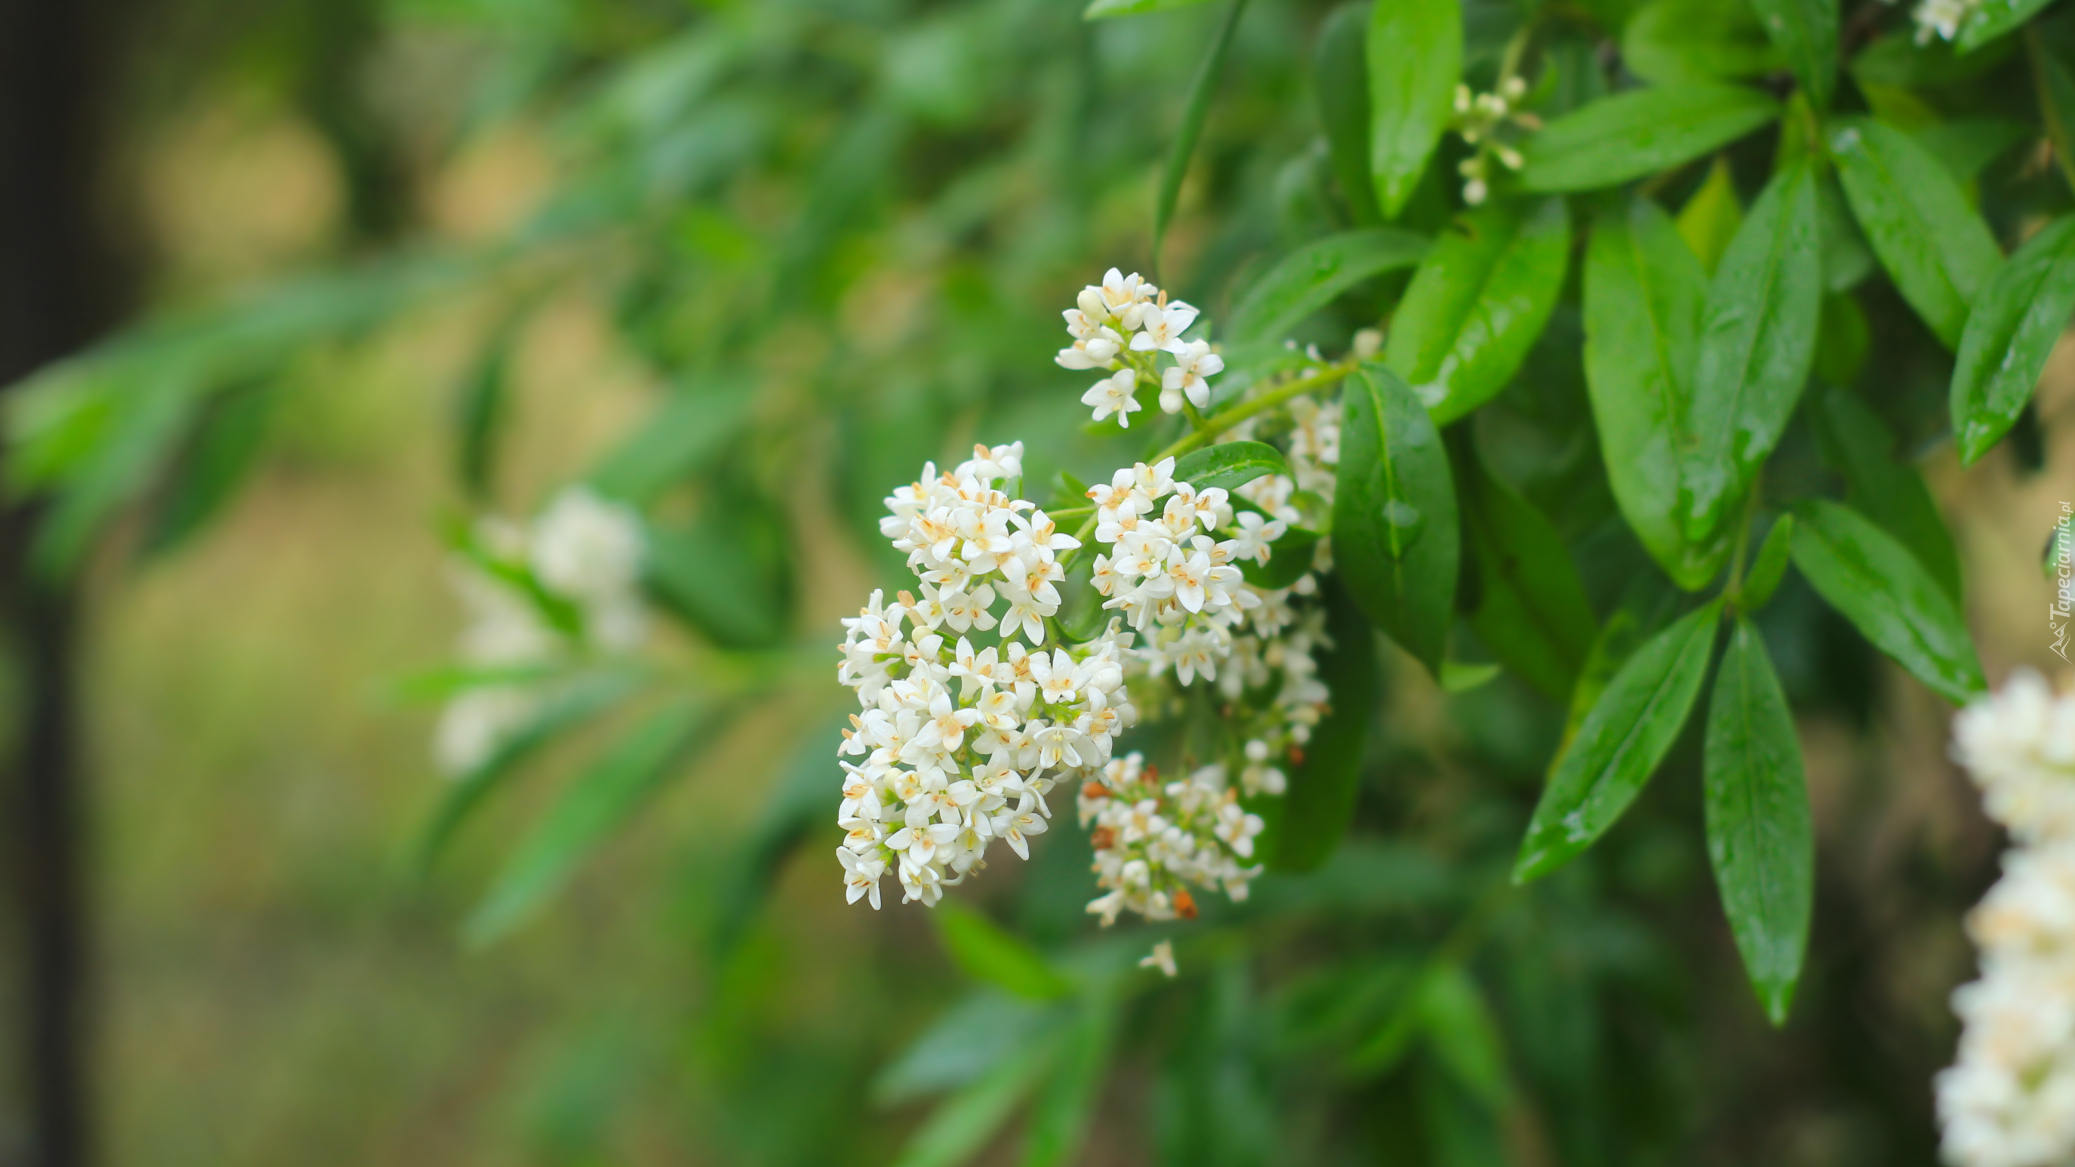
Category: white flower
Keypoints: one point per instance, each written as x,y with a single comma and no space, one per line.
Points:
1093,352
1163,327
1942,18
1113,394
585,547
1162,958
476,723
860,876
1194,363
1254,536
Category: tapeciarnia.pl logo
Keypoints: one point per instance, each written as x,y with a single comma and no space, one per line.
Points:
2063,571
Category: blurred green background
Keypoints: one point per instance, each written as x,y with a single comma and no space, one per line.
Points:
853,223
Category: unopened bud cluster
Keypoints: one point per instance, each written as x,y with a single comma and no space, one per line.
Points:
1125,323
565,586
1154,842
1483,119
2009,1101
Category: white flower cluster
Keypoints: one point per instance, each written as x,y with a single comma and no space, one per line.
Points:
1175,583
961,744
1942,18
2009,1101
584,554
1154,842
1124,323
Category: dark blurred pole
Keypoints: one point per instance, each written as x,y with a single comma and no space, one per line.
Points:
55,294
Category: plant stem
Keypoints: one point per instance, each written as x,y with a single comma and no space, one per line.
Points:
1219,423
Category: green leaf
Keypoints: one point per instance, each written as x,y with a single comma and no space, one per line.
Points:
1992,19
1859,444
684,436
2016,321
1477,303
480,412
1671,41
218,460
1314,275
1644,292
1415,59
1060,1117
1106,9
988,953
1628,732
1640,132
1806,33
1202,89
1846,259
2056,89
1531,608
1340,78
1873,580
564,708
1710,218
600,799
1290,557
1897,59
1395,534
1314,814
1757,339
1645,608
1768,567
1229,464
1760,842
729,574
964,1124
1843,341
1459,1025
1938,252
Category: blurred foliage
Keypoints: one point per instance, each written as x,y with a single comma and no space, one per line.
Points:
831,238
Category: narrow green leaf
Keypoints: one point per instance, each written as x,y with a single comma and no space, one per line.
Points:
1847,260
1395,531
1670,41
1859,444
963,1124
2016,321
1938,252
1897,59
988,953
1710,218
1644,292
565,708
600,799
1628,732
2056,89
1760,842
1059,1119
1340,79
480,411
1768,567
1459,1025
1107,9
218,460
1315,274
1202,89
1757,339
1646,607
1320,802
1806,33
685,435
729,574
1415,59
1843,341
1641,132
1531,608
1992,19
1873,580
1477,303
1229,464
